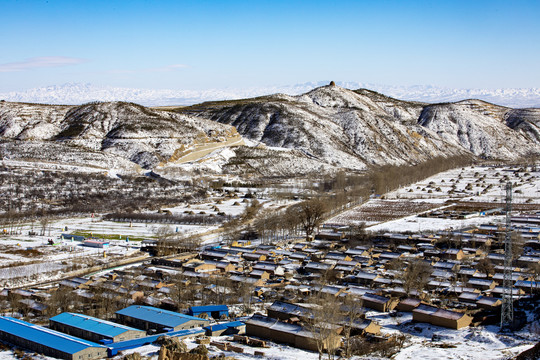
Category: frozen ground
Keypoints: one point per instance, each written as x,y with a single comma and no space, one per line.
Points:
426,341
419,224
29,259
481,184
475,183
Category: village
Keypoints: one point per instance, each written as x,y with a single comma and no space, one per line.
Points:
344,291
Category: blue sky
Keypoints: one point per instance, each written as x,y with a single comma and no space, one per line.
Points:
217,44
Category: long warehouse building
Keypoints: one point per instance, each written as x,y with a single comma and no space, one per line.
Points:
48,342
151,318
93,329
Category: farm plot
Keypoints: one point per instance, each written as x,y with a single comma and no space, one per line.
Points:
476,183
377,211
449,200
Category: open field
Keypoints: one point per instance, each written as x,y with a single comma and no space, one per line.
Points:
472,188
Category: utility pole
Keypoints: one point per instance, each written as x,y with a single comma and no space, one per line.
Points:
507,310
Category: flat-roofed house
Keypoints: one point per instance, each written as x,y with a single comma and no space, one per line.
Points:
453,254
317,267
450,319
408,304
422,313
364,278
488,303
482,284
284,311
469,297
230,328
440,317
378,302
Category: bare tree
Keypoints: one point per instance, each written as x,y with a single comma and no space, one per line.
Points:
44,221
352,313
245,290
518,244
310,214
485,266
534,269
416,276
323,323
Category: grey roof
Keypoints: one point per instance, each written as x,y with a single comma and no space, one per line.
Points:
276,325
288,308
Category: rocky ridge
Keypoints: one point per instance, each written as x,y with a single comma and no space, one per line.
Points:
355,129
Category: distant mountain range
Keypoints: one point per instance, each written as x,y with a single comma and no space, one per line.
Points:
76,94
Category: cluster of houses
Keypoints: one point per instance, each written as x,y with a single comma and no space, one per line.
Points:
457,293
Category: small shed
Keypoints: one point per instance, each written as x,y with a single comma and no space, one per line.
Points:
378,302
101,244
422,313
408,304
230,328
450,319
72,237
214,311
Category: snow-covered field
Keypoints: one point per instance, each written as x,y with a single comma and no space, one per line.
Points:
479,184
427,341
475,183
29,258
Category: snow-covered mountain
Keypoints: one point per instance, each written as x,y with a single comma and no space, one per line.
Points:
145,137
352,129
76,94
324,129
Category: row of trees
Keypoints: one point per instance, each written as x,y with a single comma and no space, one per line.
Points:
279,225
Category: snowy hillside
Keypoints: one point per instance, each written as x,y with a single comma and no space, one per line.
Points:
74,94
352,129
116,130
325,129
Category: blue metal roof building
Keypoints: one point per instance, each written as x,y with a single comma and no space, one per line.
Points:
72,237
148,317
93,329
229,328
215,311
47,341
